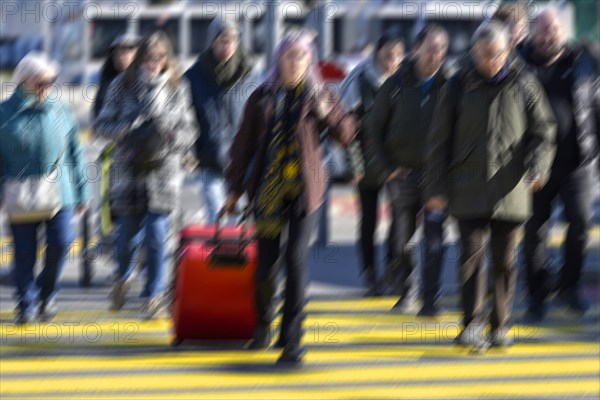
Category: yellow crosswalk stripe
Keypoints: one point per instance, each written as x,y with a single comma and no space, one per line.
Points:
307,377
370,355
317,354
542,389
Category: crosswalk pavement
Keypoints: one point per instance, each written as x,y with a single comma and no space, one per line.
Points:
357,349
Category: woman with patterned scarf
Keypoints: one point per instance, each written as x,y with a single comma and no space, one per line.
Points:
147,114
277,160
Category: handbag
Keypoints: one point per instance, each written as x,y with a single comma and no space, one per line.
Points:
34,199
146,146
146,143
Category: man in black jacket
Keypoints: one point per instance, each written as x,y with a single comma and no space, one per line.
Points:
396,131
569,90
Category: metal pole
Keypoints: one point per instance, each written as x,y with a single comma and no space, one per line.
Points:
274,27
325,24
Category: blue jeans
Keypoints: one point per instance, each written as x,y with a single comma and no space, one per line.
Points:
131,235
59,237
212,187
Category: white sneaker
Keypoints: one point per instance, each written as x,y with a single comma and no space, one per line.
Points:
152,307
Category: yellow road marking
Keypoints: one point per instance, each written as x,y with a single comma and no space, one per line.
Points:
579,387
317,354
350,375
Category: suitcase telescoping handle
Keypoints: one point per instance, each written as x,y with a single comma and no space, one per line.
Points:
229,258
243,222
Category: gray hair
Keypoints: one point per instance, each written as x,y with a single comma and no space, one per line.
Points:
491,31
34,64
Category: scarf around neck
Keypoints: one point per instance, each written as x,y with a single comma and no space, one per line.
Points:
283,182
227,73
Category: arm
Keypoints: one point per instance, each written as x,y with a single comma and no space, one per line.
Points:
243,147
350,97
75,152
99,100
111,124
375,125
541,132
341,124
186,131
350,92
438,148
357,161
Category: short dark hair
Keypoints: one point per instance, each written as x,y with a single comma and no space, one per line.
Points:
429,29
389,37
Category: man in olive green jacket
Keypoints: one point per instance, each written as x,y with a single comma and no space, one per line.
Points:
490,147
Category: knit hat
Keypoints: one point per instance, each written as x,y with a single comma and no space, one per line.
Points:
34,63
218,26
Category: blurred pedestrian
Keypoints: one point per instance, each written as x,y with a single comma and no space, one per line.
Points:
280,131
40,136
358,92
218,81
485,154
516,17
147,113
570,92
121,53
398,128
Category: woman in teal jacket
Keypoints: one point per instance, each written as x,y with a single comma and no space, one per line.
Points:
36,131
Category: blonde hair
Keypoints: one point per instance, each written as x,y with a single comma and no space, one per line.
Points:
158,38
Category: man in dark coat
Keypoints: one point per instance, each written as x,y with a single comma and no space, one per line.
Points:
396,131
490,146
569,89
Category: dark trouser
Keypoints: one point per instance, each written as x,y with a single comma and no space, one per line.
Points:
369,199
406,200
59,237
433,248
475,235
296,253
572,186
86,264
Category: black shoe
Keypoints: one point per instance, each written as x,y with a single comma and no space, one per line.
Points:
404,305
430,311
47,310
374,288
280,344
261,339
291,357
573,301
374,291
500,338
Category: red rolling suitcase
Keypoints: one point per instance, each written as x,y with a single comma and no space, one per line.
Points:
214,288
